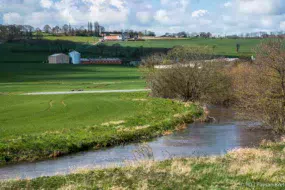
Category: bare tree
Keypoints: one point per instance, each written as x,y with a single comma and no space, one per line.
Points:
260,86
47,29
56,29
65,29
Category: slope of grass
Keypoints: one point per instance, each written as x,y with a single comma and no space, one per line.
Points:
41,127
249,168
36,77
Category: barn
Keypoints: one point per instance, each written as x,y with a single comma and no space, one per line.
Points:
58,58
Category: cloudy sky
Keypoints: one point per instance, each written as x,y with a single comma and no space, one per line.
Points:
216,16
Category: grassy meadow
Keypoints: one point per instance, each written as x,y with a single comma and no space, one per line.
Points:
244,169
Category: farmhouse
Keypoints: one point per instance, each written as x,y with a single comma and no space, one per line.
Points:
58,58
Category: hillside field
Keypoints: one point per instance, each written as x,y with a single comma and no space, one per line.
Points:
223,47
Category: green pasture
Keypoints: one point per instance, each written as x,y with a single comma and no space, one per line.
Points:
224,47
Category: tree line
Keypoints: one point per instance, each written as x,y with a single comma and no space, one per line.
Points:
253,35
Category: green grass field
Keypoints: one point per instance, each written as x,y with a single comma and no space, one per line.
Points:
79,39
225,47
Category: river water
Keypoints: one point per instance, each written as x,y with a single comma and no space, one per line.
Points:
199,139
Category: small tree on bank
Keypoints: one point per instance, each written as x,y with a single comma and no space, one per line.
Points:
260,87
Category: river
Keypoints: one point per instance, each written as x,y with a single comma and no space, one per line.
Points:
199,139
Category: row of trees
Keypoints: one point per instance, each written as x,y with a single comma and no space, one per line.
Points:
12,32
92,30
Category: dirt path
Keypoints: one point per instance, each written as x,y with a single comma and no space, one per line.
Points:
85,92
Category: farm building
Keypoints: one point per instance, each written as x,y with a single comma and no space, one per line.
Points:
58,58
75,57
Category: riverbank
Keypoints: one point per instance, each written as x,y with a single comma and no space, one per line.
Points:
247,168
153,117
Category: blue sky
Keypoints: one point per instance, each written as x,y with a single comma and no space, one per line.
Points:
216,16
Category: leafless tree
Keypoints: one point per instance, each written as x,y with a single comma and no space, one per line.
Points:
260,86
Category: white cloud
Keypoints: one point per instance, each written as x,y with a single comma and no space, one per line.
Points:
260,7
199,13
12,18
144,17
46,3
282,25
233,16
162,16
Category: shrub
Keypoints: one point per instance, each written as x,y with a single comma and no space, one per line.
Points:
185,74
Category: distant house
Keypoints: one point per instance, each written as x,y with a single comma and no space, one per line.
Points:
58,58
113,38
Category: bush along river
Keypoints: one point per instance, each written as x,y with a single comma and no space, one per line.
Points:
199,139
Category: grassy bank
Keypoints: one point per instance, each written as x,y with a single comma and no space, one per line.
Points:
41,129
249,168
